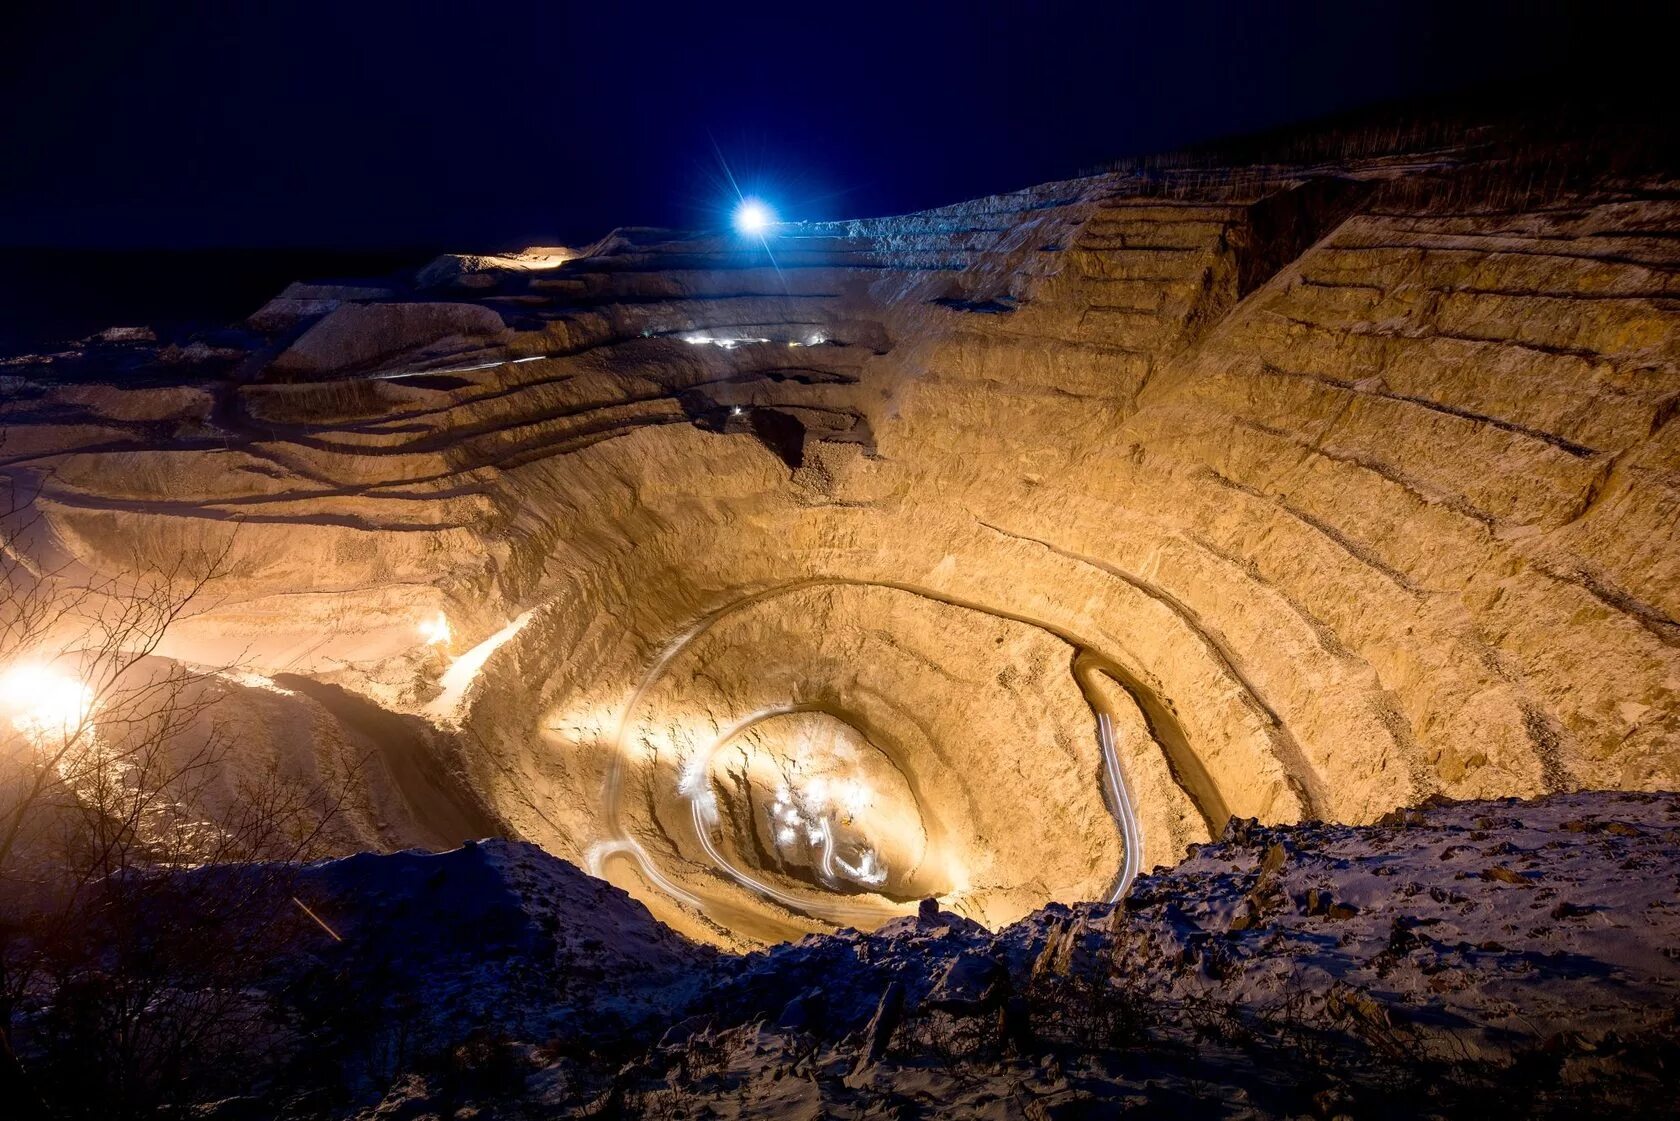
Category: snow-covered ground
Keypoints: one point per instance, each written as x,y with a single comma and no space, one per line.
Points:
1479,958
1493,958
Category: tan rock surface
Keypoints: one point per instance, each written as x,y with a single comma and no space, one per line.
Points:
1345,500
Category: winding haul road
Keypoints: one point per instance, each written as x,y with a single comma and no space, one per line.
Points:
834,909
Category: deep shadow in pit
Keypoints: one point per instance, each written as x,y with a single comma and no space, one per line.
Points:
442,807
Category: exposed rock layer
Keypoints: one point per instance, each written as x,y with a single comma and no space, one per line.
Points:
1332,494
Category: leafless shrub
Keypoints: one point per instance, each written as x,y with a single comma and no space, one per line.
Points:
124,976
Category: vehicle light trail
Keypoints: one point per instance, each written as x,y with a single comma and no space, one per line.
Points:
700,808
619,842
319,921
1125,813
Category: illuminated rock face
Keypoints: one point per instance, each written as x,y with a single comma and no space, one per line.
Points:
1327,497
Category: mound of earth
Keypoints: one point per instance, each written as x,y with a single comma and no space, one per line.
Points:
1460,959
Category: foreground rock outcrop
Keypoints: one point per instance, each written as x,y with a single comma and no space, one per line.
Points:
789,582
1500,958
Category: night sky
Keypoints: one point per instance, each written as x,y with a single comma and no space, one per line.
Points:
481,125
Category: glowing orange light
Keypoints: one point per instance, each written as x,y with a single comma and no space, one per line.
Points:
44,703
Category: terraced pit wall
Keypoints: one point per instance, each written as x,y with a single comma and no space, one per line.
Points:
1328,503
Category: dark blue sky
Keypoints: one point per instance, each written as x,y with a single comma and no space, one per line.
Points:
487,124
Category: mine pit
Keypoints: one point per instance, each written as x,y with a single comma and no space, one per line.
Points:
828,564
1174,608
786,598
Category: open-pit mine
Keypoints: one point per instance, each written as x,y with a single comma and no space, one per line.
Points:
992,554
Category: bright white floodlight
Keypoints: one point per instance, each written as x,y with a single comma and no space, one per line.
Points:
753,218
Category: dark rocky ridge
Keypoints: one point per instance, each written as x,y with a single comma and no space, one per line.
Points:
1461,958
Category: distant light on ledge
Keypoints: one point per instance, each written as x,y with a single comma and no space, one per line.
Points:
753,218
728,342
536,257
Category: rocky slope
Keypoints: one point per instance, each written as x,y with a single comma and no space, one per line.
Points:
1505,955
788,581
1499,958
